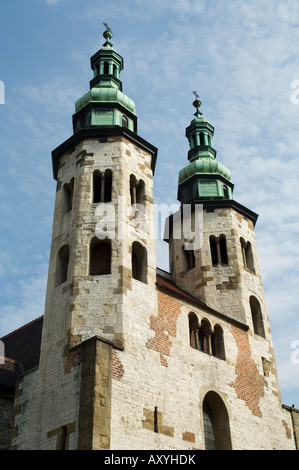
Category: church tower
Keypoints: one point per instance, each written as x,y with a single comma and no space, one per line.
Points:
133,357
219,265
101,233
102,257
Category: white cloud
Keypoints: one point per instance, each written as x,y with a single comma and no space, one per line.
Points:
27,302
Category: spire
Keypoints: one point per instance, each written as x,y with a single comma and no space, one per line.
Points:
205,178
105,104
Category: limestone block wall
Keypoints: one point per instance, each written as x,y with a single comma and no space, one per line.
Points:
47,408
96,303
224,287
157,399
149,394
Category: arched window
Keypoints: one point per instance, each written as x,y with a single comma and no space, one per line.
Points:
200,334
205,336
202,138
204,339
140,192
247,254
213,248
218,250
67,197
137,191
223,250
106,68
215,423
208,426
139,262
62,265
189,259
102,186
225,192
100,257
124,121
257,317
217,342
193,330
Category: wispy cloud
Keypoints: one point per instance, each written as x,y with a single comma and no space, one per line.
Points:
52,2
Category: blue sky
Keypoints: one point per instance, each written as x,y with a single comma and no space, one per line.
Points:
242,58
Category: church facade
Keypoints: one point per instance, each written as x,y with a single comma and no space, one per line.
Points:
133,357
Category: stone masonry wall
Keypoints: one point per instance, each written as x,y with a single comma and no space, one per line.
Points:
83,306
6,416
164,381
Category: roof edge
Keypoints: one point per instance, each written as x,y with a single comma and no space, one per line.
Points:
189,298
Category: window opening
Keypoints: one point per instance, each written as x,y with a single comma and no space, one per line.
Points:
102,186
218,250
208,423
137,191
100,258
189,257
156,429
106,68
216,423
62,265
247,254
67,203
257,317
139,262
124,121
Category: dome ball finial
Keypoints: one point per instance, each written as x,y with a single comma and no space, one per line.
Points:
197,103
108,33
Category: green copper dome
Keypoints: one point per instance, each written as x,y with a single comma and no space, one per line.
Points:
105,95
205,178
105,104
203,167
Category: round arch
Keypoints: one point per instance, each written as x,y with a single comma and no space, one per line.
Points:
217,434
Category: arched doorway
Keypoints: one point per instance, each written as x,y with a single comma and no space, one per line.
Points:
215,423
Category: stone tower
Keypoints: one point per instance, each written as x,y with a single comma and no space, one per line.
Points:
101,239
104,176
219,265
133,357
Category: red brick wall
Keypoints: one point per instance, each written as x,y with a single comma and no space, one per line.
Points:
164,325
249,384
117,367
